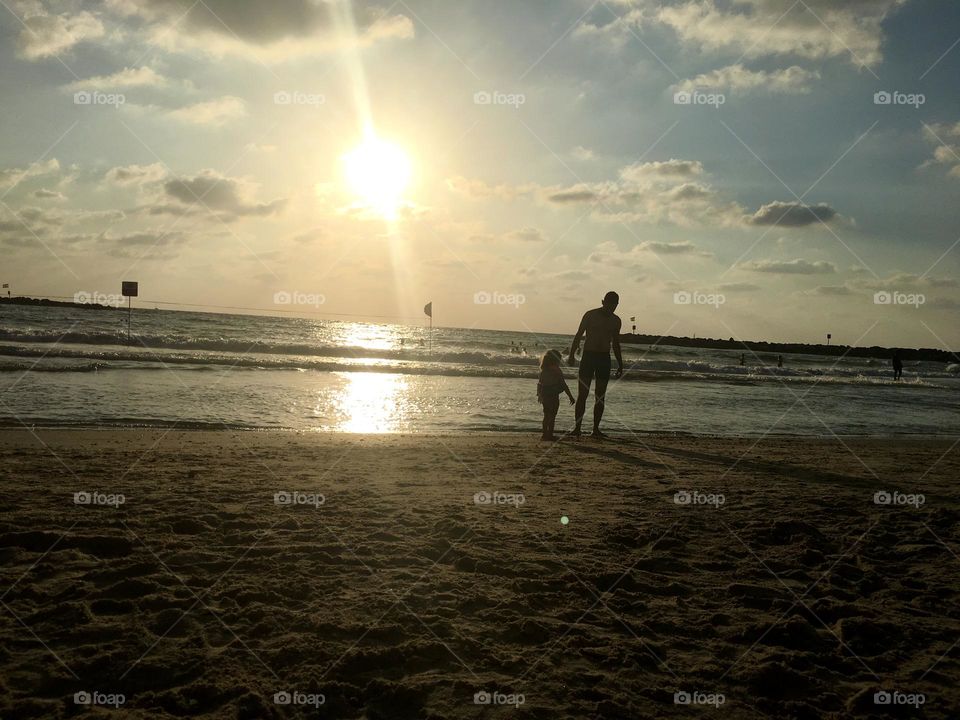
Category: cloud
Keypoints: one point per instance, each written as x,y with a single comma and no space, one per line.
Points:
212,113
946,139
675,248
793,80
738,287
790,267
274,31
45,194
832,290
792,214
9,177
229,196
136,175
126,78
527,234
45,35
814,30
581,153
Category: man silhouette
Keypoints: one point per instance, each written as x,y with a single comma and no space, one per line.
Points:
602,329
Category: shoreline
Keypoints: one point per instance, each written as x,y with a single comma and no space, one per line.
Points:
615,436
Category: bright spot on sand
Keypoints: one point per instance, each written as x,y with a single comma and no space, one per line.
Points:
378,173
564,520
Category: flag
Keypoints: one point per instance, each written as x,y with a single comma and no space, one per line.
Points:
6,285
428,309
633,319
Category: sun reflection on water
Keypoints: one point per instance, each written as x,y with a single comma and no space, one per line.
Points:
371,402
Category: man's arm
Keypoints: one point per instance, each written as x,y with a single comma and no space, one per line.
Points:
572,360
616,348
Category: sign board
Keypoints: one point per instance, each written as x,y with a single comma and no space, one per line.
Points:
129,288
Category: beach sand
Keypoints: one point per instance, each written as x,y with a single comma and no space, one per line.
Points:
401,596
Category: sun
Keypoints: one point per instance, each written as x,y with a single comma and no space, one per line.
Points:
378,172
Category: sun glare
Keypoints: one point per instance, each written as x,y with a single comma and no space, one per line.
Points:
378,172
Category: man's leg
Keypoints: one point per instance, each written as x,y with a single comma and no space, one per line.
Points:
584,376
603,377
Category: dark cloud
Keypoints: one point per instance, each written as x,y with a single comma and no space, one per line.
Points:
792,214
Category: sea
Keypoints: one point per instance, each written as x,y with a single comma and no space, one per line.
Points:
73,367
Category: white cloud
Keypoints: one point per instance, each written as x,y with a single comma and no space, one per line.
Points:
790,267
126,78
45,35
9,177
136,175
209,189
793,80
212,112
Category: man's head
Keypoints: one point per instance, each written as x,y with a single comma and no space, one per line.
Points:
610,301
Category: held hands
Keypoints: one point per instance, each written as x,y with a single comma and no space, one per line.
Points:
572,360
618,374
570,395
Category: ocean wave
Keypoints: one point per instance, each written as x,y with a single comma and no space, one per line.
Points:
76,360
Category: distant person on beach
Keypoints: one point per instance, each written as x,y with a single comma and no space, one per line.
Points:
742,359
897,365
779,361
602,329
551,384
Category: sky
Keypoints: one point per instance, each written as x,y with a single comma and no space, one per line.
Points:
757,169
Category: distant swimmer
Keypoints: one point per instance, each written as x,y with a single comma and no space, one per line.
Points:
779,361
897,365
602,329
743,360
